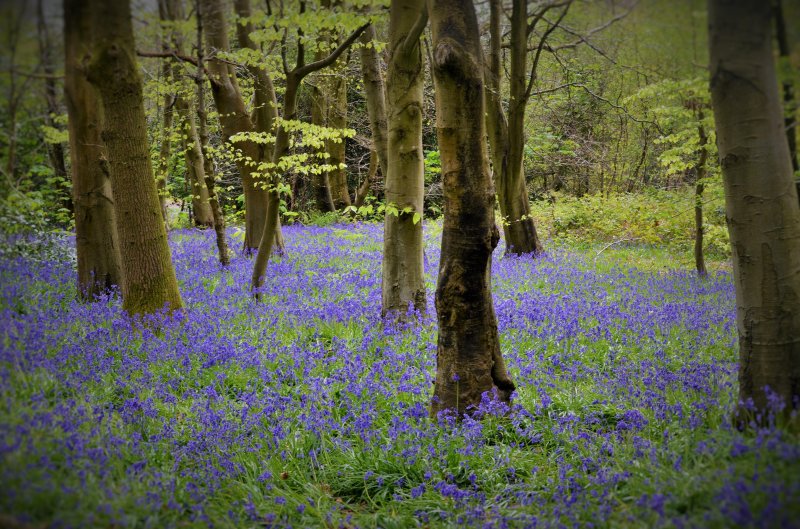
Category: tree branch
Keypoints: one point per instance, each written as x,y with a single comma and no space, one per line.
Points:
304,70
412,39
542,42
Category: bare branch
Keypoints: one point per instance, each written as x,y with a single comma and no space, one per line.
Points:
304,70
542,42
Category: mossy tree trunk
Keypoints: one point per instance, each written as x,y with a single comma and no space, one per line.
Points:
95,221
403,281
149,277
761,205
468,359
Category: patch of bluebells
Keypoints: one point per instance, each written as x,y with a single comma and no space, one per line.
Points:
306,410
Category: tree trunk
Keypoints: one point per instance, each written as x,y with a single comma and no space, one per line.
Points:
336,82
95,220
150,282
320,182
195,168
761,205
507,133
363,190
403,275
293,79
699,186
234,119
375,93
789,104
208,163
55,151
171,11
329,109
468,360
166,142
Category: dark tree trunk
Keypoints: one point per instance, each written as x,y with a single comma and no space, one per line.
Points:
468,360
699,186
761,205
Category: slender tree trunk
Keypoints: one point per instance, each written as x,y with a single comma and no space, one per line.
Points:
789,103
375,93
150,282
266,103
468,360
699,186
507,133
761,205
337,119
171,11
293,79
165,149
363,189
320,183
403,275
234,119
208,163
95,220
55,151
195,165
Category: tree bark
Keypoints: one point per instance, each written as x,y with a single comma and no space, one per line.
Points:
320,183
468,360
195,165
699,187
375,93
171,11
208,162
234,119
403,281
166,142
761,205
55,151
150,281
507,132
95,219
329,109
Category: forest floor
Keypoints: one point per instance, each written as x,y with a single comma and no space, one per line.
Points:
307,411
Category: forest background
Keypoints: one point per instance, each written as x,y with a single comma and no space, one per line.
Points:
612,126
